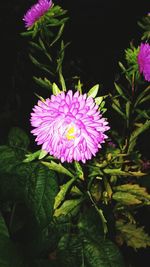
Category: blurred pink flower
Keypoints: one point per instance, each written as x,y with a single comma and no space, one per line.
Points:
36,12
111,144
144,60
145,165
69,127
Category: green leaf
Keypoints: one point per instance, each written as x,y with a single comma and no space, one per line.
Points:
32,156
91,232
18,138
93,91
144,99
122,66
125,198
39,190
35,45
79,86
141,96
69,208
90,223
36,186
123,173
10,254
70,251
128,108
79,170
45,83
41,66
11,184
86,246
44,50
142,114
101,103
27,33
101,253
138,192
116,106
60,58
100,212
43,153
136,133
62,193
8,159
98,100
57,167
131,194
81,250
55,89
59,34
134,236
62,82
40,97
120,91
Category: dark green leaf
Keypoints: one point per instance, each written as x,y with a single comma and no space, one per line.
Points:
43,82
17,138
101,253
8,159
141,96
10,254
59,34
136,133
87,251
41,66
41,188
116,106
120,91
142,114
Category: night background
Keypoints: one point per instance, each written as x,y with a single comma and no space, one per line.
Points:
98,31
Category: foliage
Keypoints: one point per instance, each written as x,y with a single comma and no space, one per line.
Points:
145,25
60,214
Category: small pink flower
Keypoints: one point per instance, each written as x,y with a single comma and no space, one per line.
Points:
69,126
143,59
36,12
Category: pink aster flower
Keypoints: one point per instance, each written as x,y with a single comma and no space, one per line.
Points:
69,126
144,60
36,12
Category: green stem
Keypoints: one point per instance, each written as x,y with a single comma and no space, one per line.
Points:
100,212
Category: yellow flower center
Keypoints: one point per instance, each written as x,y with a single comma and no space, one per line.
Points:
70,133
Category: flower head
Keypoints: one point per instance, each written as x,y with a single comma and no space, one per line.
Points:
144,60
69,126
36,12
